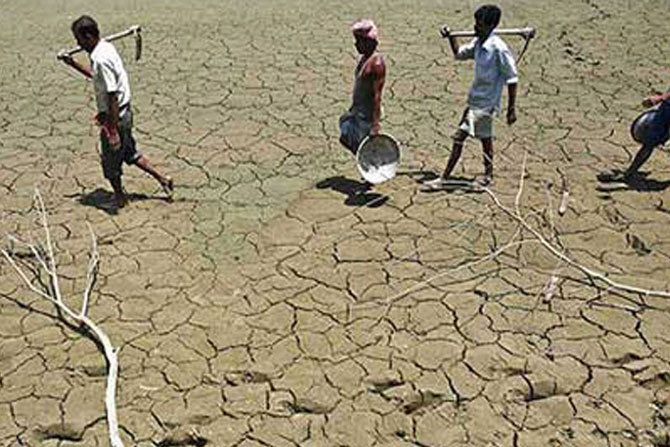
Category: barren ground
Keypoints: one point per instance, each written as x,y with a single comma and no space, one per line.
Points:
269,305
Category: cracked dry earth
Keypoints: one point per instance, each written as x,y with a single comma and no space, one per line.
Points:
269,305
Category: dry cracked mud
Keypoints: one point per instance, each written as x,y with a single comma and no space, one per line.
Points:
271,304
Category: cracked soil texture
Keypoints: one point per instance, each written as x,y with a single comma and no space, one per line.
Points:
270,305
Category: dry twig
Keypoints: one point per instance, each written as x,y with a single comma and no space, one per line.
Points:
51,292
560,254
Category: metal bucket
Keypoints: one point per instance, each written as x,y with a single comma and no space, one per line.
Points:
651,127
377,158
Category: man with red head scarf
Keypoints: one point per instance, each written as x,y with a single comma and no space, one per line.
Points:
363,116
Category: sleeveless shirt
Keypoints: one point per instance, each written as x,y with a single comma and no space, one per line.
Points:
364,93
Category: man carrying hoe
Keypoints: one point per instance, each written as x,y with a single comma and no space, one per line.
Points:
494,67
112,92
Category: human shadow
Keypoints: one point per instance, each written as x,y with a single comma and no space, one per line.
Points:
104,200
358,193
467,185
418,175
616,181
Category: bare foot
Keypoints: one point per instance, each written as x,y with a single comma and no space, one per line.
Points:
436,183
121,200
487,180
168,187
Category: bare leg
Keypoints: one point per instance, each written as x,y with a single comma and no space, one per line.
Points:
487,146
456,150
454,156
166,182
119,195
640,158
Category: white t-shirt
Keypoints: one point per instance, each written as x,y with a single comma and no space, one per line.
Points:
109,76
494,66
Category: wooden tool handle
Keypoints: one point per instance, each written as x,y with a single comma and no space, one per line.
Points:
526,32
72,51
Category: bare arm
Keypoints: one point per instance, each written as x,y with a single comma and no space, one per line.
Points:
378,70
652,100
113,116
68,60
110,122
445,32
453,43
511,103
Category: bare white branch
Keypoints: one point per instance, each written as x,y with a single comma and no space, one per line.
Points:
565,198
560,254
25,278
42,214
33,249
565,195
49,265
510,244
517,199
92,273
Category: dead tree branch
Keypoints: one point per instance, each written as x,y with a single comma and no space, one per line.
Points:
51,292
516,215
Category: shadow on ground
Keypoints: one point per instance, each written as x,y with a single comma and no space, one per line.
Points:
418,175
615,181
104,200
358,193
467,185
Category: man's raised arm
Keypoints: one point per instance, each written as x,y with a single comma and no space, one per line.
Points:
445,32
69,60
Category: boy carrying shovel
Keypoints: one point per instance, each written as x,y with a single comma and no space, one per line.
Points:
494,67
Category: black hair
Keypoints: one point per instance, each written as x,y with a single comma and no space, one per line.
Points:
86,26
368,43
489,14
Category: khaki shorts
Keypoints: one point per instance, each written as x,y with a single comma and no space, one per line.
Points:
477,123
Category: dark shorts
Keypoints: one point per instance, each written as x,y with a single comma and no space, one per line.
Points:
659,131
112,160
353,130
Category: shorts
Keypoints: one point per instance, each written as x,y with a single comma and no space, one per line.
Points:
353,130
659,131
112,160
477,123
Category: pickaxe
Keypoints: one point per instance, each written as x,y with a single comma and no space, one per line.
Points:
135,30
